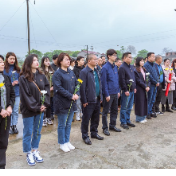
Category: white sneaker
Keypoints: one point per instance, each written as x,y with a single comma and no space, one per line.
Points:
50,122
45,122
30,159
64,147
37,157
143,121
70,146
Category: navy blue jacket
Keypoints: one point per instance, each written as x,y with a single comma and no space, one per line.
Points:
14,77
110,79
64,83
88,90
126,72
152,69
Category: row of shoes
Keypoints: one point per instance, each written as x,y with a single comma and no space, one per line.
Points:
13,130
47,121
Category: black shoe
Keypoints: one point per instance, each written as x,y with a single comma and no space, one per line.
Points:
87,141
154,115
149,116
130,124
115,129
15,130
52,117
168,110
173,108
159,113
124,126
163,109
11,130
106,132
97,137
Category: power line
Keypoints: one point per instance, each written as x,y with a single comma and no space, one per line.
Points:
11,17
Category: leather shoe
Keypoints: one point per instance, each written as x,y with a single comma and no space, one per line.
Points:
106,132
124,126
154,115
87,141
115,129
130,124
97,137
149,116
168,110
173,108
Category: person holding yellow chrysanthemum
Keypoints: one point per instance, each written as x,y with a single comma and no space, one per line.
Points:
168,100
7,99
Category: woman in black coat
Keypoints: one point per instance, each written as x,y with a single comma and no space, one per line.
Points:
7,99
142,88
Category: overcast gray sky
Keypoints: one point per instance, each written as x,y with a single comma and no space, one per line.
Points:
72,24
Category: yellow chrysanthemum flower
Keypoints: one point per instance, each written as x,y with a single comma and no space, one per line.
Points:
81,81
171,69
166,69
1,84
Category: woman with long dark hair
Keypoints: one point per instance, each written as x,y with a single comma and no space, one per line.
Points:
13,71
174,92
35,98
48,72
7,99
142,88
64,81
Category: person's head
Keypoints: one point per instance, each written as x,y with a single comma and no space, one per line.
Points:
151,57
118,62
111,55
174,63
92,60
72,62
45,63
31,63
139,63
103,59
63,60
146,59
126,57
158,59
80,61
55,59
166,62
1,63
11,59
100,61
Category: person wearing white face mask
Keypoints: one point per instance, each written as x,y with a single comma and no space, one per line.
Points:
35,98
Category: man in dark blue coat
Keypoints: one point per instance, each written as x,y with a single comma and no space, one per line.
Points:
91,97
128,86
154,80
111,92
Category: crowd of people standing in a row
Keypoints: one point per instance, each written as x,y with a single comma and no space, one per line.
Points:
67,86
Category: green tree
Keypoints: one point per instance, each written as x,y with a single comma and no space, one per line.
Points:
142,53
38,53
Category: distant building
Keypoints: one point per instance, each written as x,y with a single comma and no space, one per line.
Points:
84,53
170,55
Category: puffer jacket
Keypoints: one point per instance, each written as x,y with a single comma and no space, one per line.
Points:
167,71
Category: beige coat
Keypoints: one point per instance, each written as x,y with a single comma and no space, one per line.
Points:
167,71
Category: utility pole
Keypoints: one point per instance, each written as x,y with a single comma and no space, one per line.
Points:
27,1
87,50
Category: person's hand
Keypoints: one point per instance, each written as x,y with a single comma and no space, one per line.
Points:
42,109
14,83
108,98
76,96
101,102
157,84
51,88
147,89
118,95
9,110
3,113
84,105
127,93
135,90
73,97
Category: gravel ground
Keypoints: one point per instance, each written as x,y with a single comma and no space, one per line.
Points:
150,145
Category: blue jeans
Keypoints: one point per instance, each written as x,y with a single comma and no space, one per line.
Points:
151,98
140,118
64,127
30,130
126,106
14,116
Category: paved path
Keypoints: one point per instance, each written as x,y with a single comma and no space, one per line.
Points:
150,145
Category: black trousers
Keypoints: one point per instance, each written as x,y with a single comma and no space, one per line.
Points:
158,99
4,135
49,111
113,106
90,112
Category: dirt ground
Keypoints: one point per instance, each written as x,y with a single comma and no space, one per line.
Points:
150,145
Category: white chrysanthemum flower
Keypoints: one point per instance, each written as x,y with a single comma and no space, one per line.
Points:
13,72
43,92
147,73
131,80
